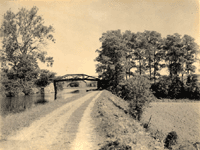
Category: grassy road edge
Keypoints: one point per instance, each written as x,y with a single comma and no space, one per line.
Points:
116,128
14,122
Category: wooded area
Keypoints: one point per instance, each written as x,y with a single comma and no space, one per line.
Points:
24,36
145,53
131,63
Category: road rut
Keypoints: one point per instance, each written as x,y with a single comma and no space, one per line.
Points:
57,130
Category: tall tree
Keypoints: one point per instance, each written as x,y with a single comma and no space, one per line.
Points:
112,57
154,53
139,53
191,49
174,54
128,38
24,35
148,50
180,54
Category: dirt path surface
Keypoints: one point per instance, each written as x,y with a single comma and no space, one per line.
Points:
86,138
65,128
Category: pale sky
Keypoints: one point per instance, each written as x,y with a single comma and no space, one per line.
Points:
80,23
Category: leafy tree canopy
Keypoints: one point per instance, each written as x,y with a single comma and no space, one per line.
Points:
45,77
180,53
24,35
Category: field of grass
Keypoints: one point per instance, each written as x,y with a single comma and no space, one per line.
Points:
181,117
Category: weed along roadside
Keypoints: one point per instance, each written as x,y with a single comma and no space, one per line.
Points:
117,129
1,122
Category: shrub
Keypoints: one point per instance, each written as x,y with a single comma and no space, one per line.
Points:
137,91
176,88
136,109
11,87
192,87
161,88
115,145
27,87
136,88
44,78
192,92
171,139
16,104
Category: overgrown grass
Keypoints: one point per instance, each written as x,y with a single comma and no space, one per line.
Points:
16,104
183,118
120,131
118,128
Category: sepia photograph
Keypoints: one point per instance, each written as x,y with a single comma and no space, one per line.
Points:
99,75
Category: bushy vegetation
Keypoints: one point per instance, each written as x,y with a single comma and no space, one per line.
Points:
119,130
14,86
129,65
171,139
60,86
161,88
11,88
136,91
192,87
15,105
168,87
147,53
23,36
116,145
44,78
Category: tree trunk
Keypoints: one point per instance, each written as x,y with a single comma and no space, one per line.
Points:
170,70
154,62
182,77
140,67
149,67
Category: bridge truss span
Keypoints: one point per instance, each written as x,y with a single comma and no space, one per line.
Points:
75,77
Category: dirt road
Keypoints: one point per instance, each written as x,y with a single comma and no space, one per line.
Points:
68,127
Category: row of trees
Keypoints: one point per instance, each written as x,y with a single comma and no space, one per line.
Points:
146,53
24,36
131,64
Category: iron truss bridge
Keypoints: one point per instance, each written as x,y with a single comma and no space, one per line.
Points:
75,77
